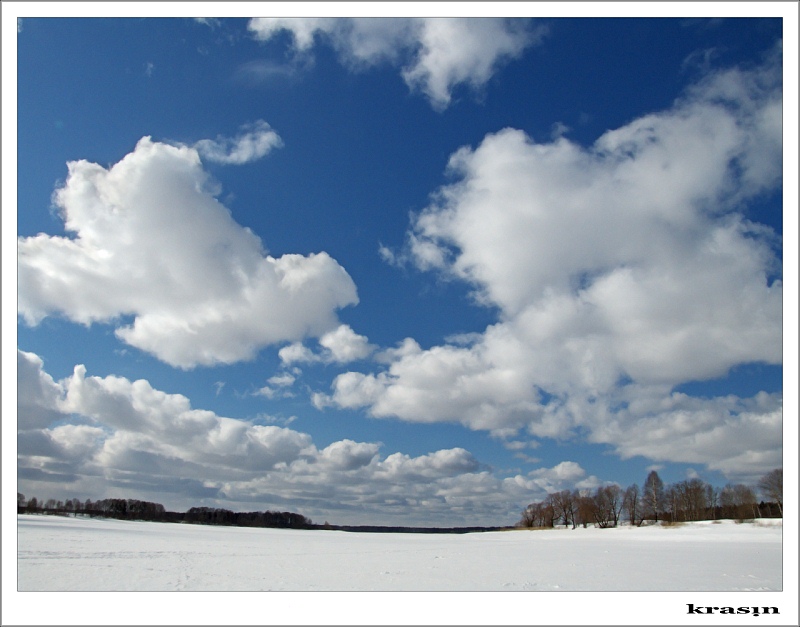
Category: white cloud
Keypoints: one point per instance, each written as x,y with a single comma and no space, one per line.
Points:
37,393
620,269
456,51
77,442
349,455
259,71
150,240
254,141
282,380
341,346
345,345
538,483
297,353
211,22
437,54
446,463
276,386
741,438
303,30
112,434
407,347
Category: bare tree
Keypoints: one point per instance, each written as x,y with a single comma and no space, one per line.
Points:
747,501
653,495
538,514
587,509
528,518
563,504
712,497
672,502
632,504
615,502
771,486
605,506
739,501
698,498
690,499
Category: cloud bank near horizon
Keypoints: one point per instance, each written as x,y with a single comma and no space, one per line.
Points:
97,435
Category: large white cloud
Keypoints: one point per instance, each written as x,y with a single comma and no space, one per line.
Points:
616,268
150,240
111,436
438,54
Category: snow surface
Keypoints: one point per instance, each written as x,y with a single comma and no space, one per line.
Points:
82,554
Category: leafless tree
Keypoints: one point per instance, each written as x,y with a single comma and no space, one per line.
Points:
632,504
587,509
672,502
653,495
712,497
690,499
739,501
771,486
615,502
563,504
537,515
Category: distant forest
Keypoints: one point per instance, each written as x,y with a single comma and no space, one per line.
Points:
132,509
689,500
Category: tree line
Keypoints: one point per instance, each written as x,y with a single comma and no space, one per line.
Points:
689,500
217,516
133,509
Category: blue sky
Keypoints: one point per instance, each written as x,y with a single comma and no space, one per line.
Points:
403,271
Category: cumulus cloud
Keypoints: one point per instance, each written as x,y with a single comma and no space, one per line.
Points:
457,51
436,54
341,346
622,268
253,142
296,352
345,345
566,475
109,433
151,250
741,438
37,393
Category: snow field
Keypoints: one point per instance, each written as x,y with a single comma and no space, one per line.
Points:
81,554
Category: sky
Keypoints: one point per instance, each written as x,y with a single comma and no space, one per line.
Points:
401,271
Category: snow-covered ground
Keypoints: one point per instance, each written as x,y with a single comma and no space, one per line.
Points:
71,554
625,576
